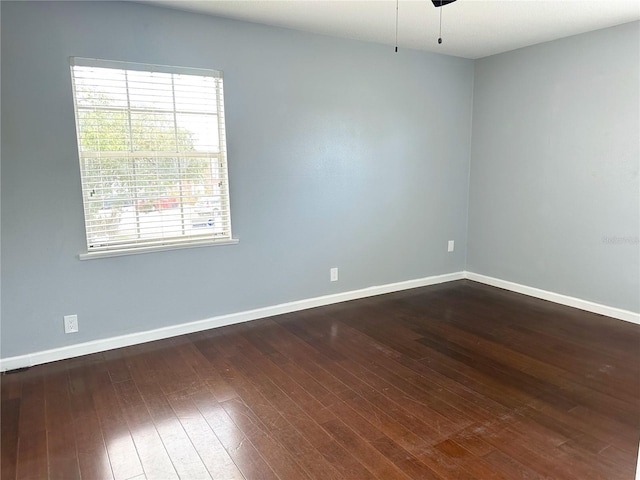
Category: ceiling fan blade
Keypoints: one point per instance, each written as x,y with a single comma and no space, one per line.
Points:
442,3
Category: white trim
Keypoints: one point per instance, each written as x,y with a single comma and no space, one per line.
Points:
70,351
155,248
598,308
143,67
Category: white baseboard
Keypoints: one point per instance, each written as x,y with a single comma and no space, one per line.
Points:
71,351
598,308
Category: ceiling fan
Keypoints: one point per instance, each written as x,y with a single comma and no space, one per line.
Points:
436,3
441,3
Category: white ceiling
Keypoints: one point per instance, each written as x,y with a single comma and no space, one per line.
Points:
470,28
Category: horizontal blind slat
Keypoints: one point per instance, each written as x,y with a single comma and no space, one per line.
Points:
152,151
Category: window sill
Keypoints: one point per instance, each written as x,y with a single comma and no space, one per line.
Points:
155,248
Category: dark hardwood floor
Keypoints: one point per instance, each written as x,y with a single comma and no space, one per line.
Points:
453,381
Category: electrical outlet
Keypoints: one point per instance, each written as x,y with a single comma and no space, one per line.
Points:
334,274
450,246
70,323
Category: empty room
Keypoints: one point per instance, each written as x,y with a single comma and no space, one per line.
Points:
310,239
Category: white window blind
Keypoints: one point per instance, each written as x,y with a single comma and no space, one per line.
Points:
151,143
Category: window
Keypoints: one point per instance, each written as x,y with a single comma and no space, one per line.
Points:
151,143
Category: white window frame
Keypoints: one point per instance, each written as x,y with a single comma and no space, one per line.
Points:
144,231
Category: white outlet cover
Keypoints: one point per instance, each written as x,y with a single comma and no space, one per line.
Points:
70,323
450,246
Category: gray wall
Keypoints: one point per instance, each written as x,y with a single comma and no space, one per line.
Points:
554,193
341,154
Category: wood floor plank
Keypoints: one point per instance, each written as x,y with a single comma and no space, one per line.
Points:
467,461
423,404
444,465
278,458
301,433
548,352
393,406
32,411
452,381
93,459
62,452
184,457
510,467
123,455
213,454
502,372
11,385
238,446
197,373
548,462
371,458
349,416
406,462
32,435
575,387
376,414
620,465
9,416
153,455
273,429
32,456
412,376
